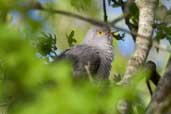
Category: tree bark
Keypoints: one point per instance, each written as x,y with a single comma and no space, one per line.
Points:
143,39
161,100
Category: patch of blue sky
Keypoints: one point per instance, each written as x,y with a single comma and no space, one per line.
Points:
15,16
35,15
43,1
46,1
167,3
47,28
126,47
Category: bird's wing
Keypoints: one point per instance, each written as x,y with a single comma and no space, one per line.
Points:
104,68
82,56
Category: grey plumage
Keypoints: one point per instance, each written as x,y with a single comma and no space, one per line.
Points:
96,51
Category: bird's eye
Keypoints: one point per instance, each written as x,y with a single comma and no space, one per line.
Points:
100,33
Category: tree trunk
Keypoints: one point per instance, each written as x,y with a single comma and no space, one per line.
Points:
143,39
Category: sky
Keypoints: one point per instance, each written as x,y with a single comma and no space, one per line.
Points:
126,47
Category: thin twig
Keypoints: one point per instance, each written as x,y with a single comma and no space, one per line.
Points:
149,87
86,19
38,6
117,19
104,11
87,68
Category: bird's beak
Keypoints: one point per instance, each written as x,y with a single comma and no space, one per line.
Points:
117,35
113,33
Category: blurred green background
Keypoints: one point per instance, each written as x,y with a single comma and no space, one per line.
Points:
31,84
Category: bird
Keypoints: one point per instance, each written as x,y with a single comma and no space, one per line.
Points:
93,56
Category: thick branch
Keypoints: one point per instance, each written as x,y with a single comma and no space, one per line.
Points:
143,44
161,100
154,76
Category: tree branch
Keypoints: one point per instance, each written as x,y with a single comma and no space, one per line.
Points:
126,10
161,100
154,76
112,24
143,45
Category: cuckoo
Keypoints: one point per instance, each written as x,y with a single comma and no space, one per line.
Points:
96,52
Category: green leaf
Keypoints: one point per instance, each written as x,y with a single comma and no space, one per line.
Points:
71,39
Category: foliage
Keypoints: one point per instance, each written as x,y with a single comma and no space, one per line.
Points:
71,38
31,85
45,44
86,5
162,24
34,87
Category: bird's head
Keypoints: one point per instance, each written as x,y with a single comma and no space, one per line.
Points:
99,37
